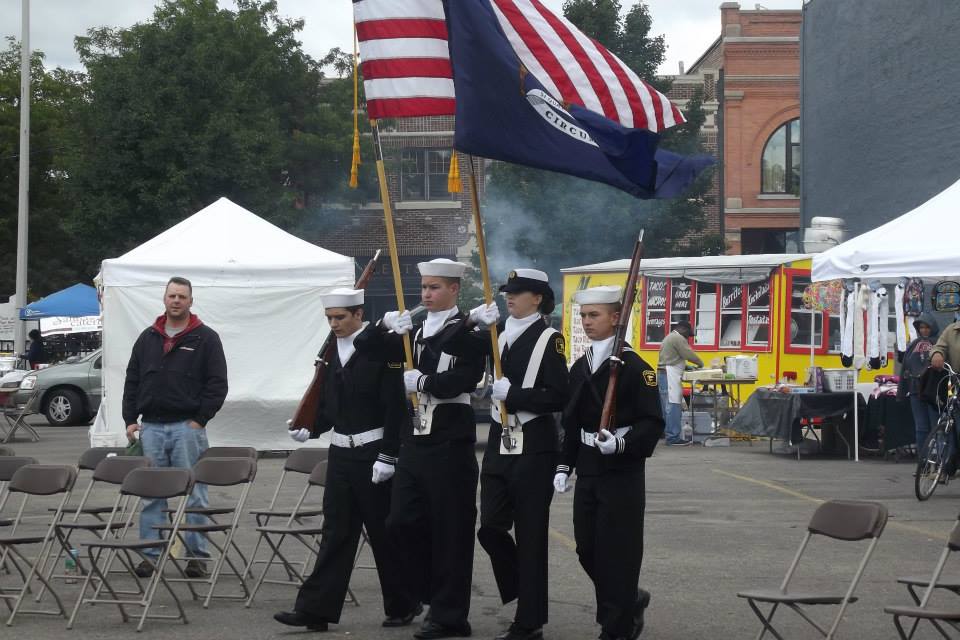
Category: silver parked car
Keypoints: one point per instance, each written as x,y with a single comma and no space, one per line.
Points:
69,392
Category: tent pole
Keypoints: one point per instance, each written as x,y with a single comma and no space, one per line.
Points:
392,242
487,288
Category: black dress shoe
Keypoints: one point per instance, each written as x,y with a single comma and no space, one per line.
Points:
643,601
516,632
430,630
297,619
402,621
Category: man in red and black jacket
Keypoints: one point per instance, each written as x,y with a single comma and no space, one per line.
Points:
176,382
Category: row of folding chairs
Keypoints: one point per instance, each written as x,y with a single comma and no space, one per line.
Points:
109,550
864,522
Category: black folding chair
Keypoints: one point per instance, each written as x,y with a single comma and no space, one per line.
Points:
229,452
837,519
9,466
219,472
147,483
109,471
922,609
34,482
300,462
30,407
305,534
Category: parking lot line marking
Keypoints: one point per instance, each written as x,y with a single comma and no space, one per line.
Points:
563,539
808,498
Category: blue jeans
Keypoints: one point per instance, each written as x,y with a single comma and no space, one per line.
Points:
925,418
672,411
173,444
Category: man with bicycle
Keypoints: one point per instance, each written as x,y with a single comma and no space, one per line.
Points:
947,350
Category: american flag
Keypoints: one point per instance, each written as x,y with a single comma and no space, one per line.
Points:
407,71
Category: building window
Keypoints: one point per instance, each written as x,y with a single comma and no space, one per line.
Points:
780,164
754,241
681,295
423,174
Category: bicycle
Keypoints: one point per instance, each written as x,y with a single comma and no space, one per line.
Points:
937,448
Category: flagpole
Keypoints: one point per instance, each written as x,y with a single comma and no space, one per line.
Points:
391,241
487,288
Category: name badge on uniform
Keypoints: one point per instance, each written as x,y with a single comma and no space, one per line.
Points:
511,441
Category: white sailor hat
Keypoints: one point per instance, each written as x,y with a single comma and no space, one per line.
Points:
532,280
599,295
342,297
442,267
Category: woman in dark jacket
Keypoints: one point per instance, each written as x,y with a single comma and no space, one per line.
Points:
916,359
35,354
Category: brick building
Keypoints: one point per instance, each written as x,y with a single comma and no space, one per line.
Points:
429,221
750,78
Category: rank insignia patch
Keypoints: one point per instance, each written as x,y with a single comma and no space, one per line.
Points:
650,377
558,345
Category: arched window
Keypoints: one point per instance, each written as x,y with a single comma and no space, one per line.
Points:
780,165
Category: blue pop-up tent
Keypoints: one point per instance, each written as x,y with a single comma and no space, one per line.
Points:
77,301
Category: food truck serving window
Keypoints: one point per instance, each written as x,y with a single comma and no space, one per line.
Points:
724,317
806,326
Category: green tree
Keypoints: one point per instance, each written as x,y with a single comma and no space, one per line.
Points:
202,102
550,221
55,96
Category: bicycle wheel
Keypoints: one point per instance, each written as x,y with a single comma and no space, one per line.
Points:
930,465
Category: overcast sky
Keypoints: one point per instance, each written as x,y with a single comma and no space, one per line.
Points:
689,25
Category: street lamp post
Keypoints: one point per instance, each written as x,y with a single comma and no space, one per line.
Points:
23,200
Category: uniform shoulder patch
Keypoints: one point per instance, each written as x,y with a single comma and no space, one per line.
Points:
650,377
395,365
558,344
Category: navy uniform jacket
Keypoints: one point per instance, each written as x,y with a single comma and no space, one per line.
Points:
365,394
450,421
547,396
638,406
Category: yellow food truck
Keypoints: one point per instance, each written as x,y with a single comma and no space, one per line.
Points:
737,305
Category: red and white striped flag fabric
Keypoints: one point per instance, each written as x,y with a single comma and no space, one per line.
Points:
404,57
407,72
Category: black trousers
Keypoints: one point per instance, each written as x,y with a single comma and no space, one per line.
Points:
516,491
433,513
608,529
352,501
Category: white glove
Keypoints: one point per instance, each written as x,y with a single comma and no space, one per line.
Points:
300,435
382,472
608,445
560,483
500,389
410,380
399,323
485,315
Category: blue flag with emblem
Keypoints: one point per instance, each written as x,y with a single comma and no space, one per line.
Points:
504,112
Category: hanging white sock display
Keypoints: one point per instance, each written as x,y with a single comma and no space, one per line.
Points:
883,318
873,328
859,318
901,323
846,329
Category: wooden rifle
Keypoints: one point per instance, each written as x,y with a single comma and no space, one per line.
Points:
609,414
305,416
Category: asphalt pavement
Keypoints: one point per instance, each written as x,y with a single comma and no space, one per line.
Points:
718,520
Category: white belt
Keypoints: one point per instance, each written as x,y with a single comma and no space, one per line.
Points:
427,399
357,439
589,438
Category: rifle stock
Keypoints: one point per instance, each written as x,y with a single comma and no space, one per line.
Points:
306,414
609,414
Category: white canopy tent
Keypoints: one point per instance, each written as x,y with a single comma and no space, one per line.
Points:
256,285
918,244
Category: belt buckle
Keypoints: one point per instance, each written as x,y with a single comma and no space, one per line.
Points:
350,437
